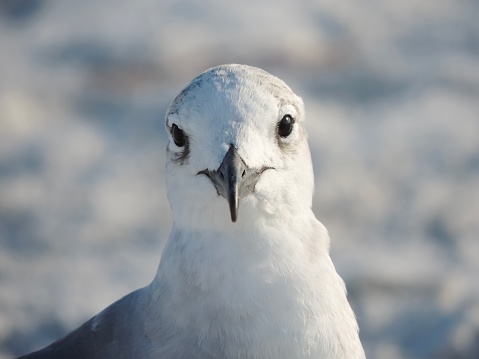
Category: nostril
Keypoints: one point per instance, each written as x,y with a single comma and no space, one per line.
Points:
244,173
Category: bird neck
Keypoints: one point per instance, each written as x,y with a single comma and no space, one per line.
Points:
270,284
222,254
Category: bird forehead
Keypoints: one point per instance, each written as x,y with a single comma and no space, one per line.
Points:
229,89
229,110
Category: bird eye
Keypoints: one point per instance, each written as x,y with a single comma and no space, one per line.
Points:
178,135
285,126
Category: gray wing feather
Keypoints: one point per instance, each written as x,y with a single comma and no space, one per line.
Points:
103,336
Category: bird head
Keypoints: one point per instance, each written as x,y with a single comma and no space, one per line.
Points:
237,150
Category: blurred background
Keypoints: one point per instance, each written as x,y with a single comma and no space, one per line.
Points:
392,98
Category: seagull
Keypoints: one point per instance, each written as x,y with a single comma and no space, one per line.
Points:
249,277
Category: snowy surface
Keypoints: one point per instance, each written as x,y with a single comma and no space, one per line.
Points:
392,98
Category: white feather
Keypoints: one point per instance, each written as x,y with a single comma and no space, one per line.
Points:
263,287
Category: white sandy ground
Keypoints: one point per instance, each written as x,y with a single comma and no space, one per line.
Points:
391,98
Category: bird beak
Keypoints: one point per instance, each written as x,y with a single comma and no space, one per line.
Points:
233,180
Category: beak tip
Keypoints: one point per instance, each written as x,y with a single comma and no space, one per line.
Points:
234,215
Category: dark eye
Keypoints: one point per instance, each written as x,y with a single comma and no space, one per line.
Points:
285,126
178,135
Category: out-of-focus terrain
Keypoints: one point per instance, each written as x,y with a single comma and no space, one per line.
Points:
392,98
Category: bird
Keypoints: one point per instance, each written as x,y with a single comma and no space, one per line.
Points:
246,270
